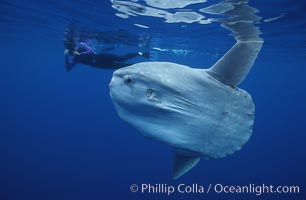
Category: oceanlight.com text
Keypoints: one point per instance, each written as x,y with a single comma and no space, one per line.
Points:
218,188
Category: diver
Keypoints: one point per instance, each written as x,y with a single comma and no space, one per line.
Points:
83,53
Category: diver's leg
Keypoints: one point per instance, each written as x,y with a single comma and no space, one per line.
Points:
126,57
132,55
110,65
110,61
120,65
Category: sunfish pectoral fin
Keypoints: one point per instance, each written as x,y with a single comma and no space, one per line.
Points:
234,66
182,164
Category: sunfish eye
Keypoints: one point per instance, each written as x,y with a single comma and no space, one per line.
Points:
127,80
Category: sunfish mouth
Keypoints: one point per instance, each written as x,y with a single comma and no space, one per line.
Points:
117,86
111,83
116,79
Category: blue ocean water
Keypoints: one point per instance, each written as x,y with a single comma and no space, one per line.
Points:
61,138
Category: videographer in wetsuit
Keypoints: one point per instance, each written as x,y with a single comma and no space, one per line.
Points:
84,54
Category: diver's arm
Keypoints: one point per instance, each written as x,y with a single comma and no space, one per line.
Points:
69,63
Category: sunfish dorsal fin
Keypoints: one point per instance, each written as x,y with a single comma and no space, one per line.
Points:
182,164
234,66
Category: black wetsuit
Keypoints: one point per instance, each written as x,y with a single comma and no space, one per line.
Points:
101,60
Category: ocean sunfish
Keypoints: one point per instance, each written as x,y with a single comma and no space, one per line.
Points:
200,113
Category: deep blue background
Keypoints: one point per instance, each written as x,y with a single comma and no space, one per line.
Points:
62,139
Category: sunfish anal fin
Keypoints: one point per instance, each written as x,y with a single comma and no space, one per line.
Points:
182,164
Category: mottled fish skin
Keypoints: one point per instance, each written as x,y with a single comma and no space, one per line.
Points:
201,113
195,113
